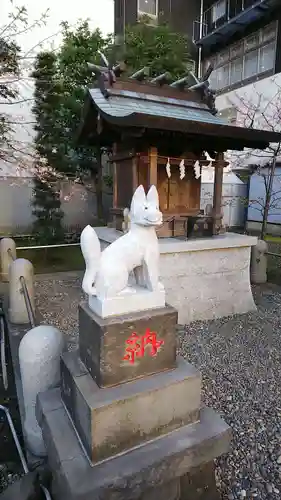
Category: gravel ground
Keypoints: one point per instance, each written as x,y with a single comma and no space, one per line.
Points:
240,359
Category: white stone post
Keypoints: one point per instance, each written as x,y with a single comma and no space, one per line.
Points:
18,312
39,358
259,263
8,253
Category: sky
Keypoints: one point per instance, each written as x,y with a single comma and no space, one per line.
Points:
99,12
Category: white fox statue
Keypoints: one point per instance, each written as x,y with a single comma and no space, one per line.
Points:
107,273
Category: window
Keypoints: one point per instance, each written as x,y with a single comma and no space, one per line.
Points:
218,10
251,64
223,57
236,50
148,7
213,79
252,42
269,33
223,76
246,59
236,71
267,57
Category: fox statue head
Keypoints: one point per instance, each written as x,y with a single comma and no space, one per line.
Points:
144,209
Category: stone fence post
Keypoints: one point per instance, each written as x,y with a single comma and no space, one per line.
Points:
259,263
8,253
21,276
39,359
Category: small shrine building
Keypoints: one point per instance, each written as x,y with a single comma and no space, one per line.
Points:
162,132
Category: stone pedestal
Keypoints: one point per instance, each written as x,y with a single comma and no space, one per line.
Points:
128,422
103,344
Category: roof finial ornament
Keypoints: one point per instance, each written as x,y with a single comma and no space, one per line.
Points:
181,83
105,73
203,87
141,74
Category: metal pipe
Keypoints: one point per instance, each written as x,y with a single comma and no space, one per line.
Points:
124,23
28,304
3,354
15,437
46,492
19,449
273,254
10,253
27,300
200,37
63,245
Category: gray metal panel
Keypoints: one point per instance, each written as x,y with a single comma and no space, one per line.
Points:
119,106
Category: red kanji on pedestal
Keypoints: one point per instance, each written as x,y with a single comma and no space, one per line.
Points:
137,344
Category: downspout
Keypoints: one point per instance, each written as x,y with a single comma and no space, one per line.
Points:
200,37
124,23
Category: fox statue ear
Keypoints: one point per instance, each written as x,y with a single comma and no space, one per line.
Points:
152,196
139,197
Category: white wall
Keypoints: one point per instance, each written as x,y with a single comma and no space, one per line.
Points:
260,100
77,203
257,197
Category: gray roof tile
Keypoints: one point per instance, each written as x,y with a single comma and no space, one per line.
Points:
125,103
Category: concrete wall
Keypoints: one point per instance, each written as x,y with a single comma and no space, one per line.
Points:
78,204
233,202
257,197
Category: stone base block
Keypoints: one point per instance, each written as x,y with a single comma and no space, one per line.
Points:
161,466
123,348
112,420
132,299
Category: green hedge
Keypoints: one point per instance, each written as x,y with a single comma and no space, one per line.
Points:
51,260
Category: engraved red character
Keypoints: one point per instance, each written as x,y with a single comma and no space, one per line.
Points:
137,344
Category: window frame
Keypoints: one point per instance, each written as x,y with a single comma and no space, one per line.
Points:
260,45
152,16
213,10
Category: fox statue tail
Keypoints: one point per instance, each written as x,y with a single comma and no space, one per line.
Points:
91,250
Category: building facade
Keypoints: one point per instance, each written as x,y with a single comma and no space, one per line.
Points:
180,14
242,40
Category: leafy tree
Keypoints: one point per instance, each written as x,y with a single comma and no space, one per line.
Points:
157,47
47,227
65,79
9,64
46,201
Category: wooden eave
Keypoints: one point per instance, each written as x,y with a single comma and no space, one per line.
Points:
222,136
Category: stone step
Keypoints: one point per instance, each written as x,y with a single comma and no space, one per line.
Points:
104,343
115,419
130,475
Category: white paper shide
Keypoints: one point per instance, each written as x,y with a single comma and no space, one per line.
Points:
107,273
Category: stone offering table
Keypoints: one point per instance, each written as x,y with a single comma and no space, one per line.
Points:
128,422
204,278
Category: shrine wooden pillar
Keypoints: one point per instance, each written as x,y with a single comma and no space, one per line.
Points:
217,199
152,171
